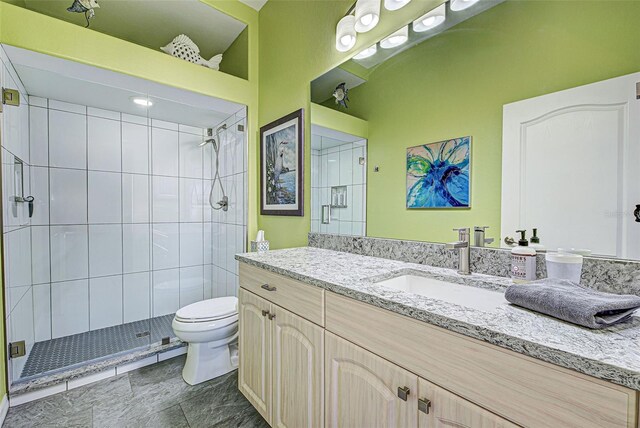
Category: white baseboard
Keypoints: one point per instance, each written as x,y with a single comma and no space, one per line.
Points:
4,408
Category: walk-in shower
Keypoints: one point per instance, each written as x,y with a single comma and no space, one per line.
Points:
124,227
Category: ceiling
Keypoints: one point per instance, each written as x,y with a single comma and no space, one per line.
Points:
256,4
153,23
324,138
59,79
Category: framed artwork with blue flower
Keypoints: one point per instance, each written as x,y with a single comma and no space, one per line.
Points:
438,174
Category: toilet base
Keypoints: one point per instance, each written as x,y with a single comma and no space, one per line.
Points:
206,361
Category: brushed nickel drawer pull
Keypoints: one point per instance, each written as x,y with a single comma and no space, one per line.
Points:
267,287
424,405
272,316
265,313
403,392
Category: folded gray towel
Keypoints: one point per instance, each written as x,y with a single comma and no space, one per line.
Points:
573,302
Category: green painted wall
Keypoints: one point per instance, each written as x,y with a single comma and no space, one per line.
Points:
297,44
235,60
456,84
459,82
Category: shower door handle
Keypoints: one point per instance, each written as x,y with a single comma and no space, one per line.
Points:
29,200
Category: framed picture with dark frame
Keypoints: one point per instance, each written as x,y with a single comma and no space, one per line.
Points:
282,166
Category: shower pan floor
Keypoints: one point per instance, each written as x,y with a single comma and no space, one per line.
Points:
79,348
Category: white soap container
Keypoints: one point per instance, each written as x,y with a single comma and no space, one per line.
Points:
564,266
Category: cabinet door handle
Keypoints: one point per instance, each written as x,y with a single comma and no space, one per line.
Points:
272,316
403,392
265,313
424,405
267,287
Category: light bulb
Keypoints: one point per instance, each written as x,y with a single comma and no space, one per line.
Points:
367,15
345,33
430,19
458,5
395,4
367,52
366,19
395,39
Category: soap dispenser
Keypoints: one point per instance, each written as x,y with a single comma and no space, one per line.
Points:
523,260
535,241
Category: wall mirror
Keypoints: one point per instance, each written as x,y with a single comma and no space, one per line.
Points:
338,182
507,114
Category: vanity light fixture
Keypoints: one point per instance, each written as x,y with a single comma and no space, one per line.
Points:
142,101
395,4
431,19
458,5
367,15
346,33
395,39
367,52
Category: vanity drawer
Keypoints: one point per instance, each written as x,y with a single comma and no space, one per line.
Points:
295,296
522,389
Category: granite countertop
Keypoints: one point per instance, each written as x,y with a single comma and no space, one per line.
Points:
612,354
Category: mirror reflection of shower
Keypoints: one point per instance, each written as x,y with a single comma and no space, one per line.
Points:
222,204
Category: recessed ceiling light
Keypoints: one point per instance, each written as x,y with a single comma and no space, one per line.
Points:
430,20
395,39
367,52
457,5
142,101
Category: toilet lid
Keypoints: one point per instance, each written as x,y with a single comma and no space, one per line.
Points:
211,309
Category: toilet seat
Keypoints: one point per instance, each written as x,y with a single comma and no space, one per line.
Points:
208,310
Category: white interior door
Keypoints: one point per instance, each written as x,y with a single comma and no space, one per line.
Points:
569,167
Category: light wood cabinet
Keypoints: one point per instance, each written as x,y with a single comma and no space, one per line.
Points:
375,368
438,408
363,390
281,363
298,375
254,349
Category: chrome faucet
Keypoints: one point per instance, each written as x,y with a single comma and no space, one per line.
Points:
479,239
464,254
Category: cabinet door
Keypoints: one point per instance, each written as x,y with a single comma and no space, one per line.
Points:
254,347
438,408
363,390
298,363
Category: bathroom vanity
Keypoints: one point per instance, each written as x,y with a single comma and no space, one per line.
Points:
325,341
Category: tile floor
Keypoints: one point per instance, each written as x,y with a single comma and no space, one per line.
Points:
155,396
79,348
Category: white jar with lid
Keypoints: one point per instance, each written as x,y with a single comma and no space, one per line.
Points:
564,266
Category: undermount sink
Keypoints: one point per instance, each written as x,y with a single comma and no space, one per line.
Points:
463,295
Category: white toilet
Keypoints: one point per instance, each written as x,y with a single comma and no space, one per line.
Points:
210,327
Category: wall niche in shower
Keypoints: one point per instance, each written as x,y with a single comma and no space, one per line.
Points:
122,233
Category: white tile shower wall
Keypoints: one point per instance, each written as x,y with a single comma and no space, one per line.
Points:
228,229
339,166
124,230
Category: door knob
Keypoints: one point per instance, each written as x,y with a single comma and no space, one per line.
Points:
403,392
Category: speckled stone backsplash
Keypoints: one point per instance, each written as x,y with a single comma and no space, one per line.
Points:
610,275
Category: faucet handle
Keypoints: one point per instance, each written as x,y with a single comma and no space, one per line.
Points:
480,228
463,233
